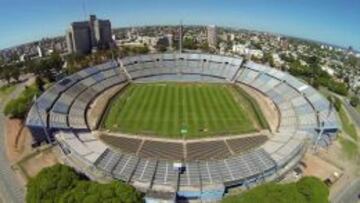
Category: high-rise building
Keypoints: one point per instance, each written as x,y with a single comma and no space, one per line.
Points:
40,51
170,40
212,35
88,36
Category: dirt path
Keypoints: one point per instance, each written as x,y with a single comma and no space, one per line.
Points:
334,154
268,108
18,140
98,106
35,162
319,167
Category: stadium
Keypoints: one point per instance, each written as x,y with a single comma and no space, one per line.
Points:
182,125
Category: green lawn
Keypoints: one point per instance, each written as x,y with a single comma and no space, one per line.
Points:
324,91
200,110
348,127
358,108
349,148
6,90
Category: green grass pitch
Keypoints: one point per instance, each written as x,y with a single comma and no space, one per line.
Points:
182,110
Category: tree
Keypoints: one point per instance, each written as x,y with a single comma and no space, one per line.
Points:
140,49
268,59
337,87
74,58
287,58
61,183
14,56
15,73
2,61
190,43
55,62
357,90
5,73
297,69
46,68
17,108
161,48
330,99
337,103
204,47
352,61
11,71
313,189
354,101
313,61
51,183
306,190
316,84
92,192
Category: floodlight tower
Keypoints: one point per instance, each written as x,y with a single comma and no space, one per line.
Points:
84,9
43,124
180,37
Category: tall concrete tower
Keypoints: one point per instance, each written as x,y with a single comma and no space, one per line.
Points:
87,36
212,35
180,37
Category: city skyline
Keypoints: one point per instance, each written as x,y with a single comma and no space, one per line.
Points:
332,22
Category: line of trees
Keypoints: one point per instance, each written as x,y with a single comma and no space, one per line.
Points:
190,43
76,62
316,76
18,107
335,101
354,101
61,183
128,50
306,190
45,68
10,72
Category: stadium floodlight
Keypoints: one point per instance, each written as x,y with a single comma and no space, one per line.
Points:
179,167
41,120
180,37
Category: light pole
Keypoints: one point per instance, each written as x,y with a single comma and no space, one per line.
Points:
42,122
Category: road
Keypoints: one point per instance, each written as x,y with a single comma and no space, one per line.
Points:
350,194
10,189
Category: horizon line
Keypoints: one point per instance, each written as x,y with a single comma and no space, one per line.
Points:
199,25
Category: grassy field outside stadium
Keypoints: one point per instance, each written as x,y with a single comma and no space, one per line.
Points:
183,110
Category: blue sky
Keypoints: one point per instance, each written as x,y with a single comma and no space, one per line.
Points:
332,21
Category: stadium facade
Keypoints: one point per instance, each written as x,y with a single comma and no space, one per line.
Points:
305,117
